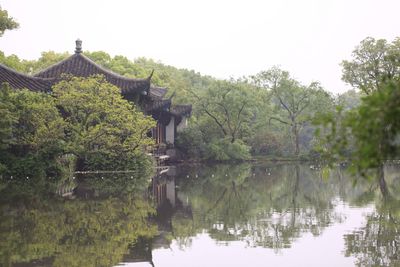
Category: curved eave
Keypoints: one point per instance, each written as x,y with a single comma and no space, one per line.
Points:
157,93
81,66
181,110
159,105
19,80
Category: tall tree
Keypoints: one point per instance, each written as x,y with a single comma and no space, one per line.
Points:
373,63
296,103
375,70
229,105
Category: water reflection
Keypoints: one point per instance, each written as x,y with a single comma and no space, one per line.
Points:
268,207
377,242
243,214
94,228
274,207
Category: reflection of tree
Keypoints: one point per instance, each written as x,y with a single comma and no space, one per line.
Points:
299,203
114,184
378,242
268,207
217,196
71,232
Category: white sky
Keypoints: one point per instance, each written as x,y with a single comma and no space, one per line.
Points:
222,38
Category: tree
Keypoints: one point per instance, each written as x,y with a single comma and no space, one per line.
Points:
6,22
229,105
7,117
374,62
104,130
224,115
32,131
295,104
375,126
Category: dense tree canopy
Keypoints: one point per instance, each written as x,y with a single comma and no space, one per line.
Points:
373,63
103,129
32,132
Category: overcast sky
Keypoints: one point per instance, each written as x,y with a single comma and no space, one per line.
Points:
222,38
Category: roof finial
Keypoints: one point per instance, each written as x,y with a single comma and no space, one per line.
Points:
151,75
78,47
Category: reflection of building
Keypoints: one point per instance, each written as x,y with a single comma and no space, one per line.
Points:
139,254
169,203
163,190
150,99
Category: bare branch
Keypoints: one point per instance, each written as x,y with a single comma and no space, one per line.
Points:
277,119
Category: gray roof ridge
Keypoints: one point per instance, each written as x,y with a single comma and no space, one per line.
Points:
37,74
25,75
96,65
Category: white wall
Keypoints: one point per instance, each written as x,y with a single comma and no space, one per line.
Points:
170,131
182,125
171,191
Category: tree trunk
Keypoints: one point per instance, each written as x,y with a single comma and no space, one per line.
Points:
382,182
296,139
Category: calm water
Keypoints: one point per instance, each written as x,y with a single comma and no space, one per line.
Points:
221,215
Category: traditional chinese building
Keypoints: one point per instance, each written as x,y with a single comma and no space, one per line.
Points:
150,99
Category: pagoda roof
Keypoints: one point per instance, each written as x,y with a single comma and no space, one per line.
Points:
158,105
19,80
157,93
181,110
81,66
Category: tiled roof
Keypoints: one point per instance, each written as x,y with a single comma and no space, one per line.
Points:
157,93
19,81
81,66
155,105
181,110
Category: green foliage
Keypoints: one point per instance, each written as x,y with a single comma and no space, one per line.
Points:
103,130
32,132
374,63
6,22
229,106
367,131
375,126
196,146
267,142
236,109
224,115
224,149
7,117
295,104
190,141
179,81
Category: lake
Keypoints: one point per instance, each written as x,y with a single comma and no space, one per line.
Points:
269,214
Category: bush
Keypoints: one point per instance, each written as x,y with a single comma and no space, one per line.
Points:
190,142
223,149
